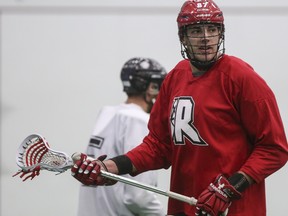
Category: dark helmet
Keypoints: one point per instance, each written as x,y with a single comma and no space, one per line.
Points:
137,73
200,12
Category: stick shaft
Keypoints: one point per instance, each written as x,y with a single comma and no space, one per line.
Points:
180,197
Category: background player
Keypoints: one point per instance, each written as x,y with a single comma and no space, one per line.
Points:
117,130
215,122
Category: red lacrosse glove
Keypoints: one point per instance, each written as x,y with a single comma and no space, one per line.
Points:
87,171
216,199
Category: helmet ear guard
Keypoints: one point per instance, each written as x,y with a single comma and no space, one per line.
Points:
139,84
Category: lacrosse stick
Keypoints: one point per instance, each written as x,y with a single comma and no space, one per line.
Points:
34,154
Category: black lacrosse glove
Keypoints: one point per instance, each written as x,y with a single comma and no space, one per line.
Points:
87,171
216,199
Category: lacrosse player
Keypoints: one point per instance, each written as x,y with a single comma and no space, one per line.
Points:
215,122
117,130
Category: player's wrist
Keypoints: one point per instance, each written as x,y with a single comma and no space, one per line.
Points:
239,181
111,166
123,164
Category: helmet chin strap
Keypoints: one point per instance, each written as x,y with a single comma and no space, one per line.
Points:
200,65
204,66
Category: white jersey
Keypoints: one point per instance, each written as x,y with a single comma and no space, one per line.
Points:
118,129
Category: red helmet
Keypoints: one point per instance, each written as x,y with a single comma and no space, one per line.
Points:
198,11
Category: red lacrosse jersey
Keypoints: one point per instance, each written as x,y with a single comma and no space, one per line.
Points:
223,121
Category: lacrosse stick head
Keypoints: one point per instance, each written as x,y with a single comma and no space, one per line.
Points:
34,154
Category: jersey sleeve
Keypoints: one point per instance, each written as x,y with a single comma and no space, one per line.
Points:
264,125
261,119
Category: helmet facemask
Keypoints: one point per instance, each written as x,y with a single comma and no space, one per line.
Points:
202,44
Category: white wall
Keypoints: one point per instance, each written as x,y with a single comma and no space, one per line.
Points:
60,62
